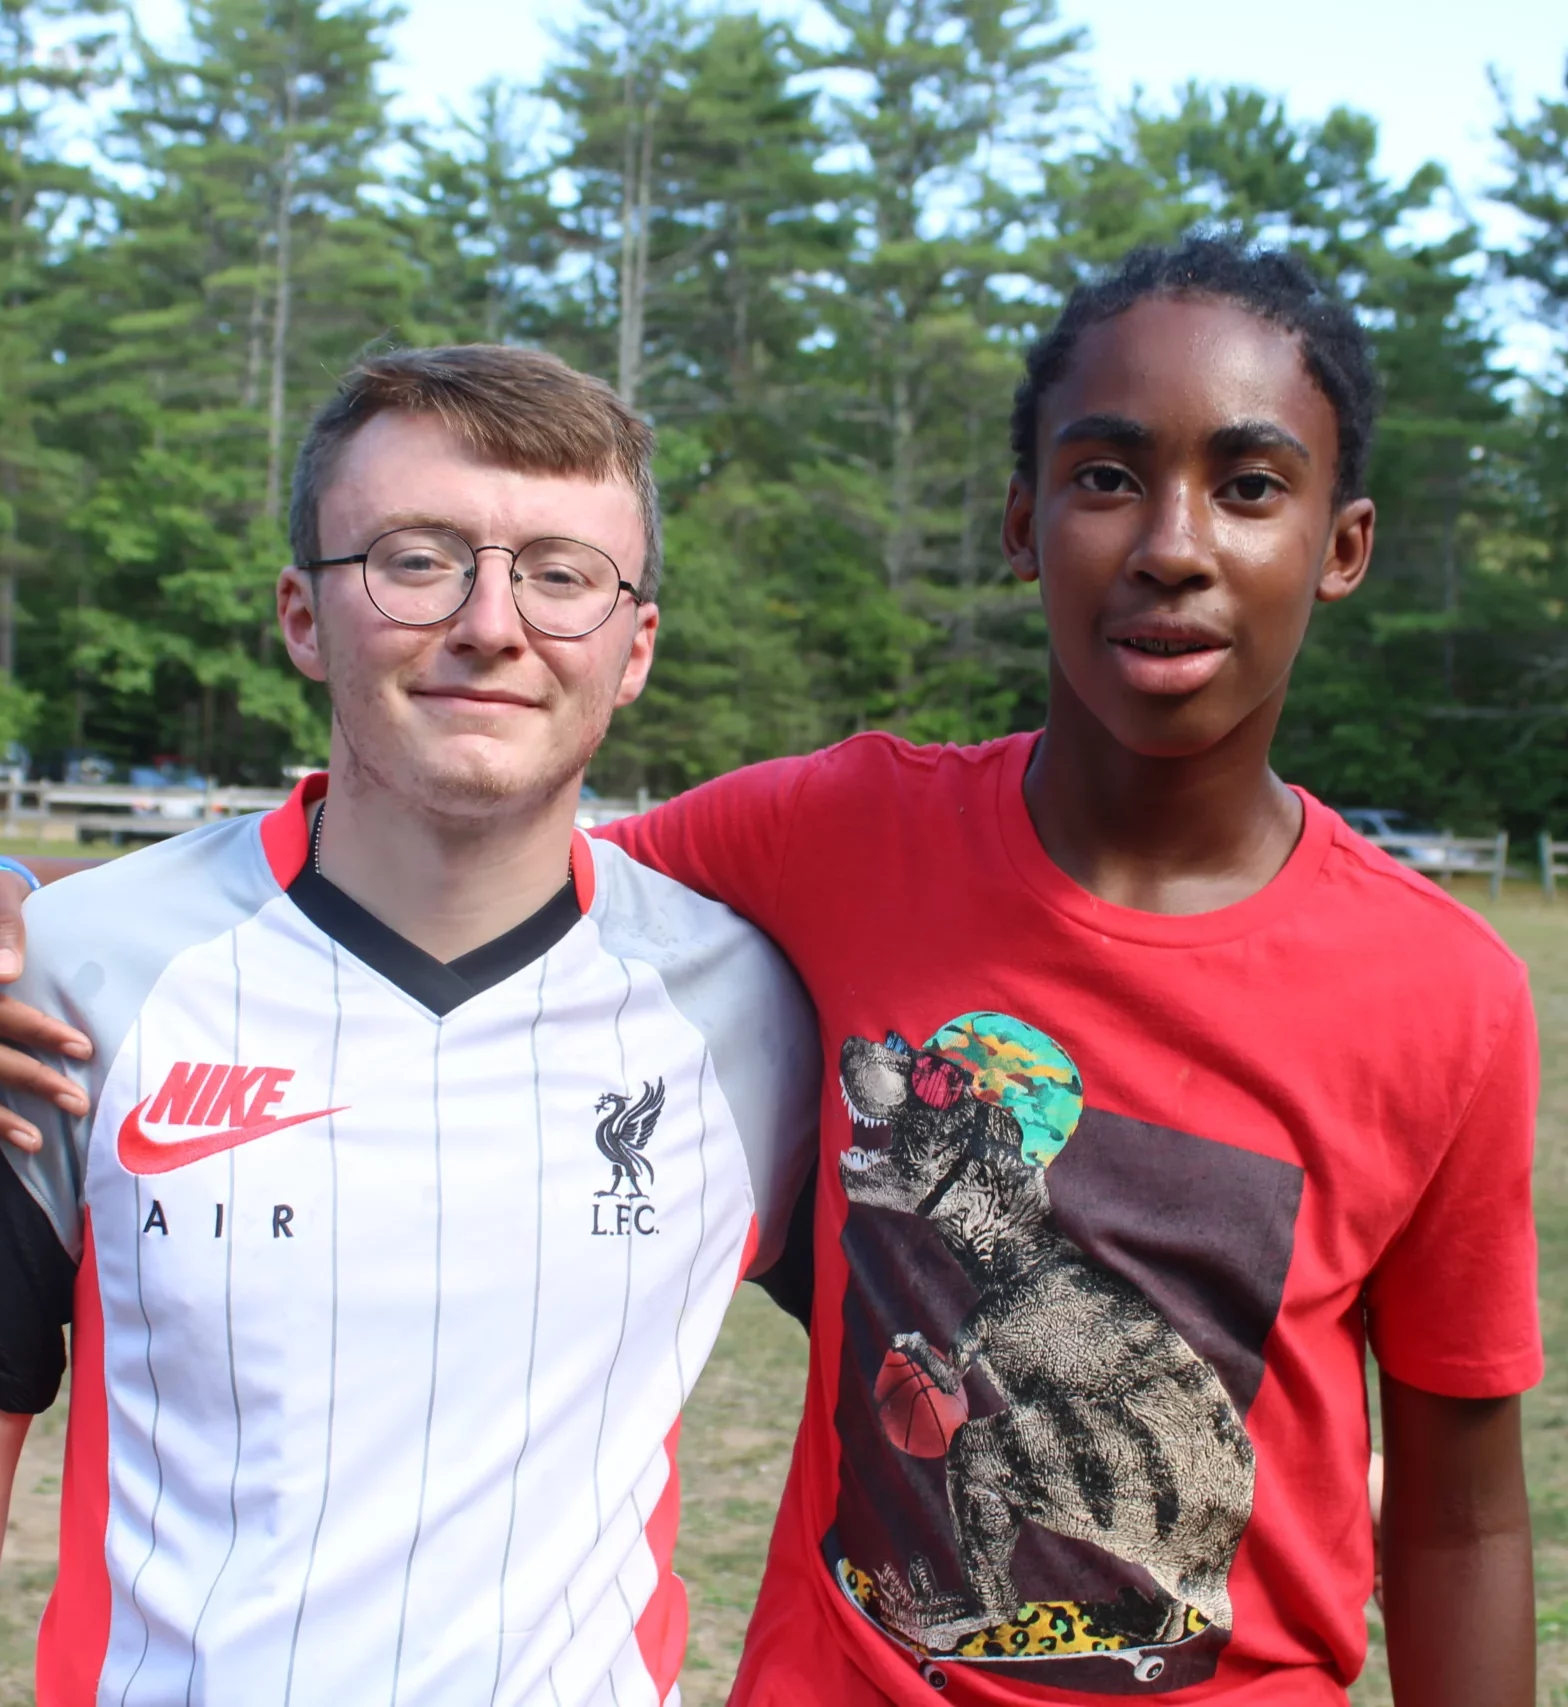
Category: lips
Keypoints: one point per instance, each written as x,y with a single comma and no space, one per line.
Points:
479,702
1159,647
1167,655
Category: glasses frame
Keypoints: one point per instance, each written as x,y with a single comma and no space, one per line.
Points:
362,558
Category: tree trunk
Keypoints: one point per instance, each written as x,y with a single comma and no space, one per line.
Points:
739,283
256,336
626,376
1450,570
969,538
636,204
10,552
79,690
10,548
276,394
902,532
8,618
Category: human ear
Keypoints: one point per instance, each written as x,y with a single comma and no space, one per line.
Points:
1349,553
1018,543
634,678
297,620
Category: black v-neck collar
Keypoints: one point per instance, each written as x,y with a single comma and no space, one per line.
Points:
438,985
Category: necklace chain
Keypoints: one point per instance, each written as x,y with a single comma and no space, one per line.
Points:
315,846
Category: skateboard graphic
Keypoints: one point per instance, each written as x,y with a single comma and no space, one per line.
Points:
1055,1630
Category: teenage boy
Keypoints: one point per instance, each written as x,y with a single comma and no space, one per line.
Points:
422,1145
1163,1093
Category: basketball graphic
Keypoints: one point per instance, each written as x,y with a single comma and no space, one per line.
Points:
917,1416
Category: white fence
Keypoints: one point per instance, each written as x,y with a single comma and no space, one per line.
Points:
1554,864
65,811
69,811
1444,855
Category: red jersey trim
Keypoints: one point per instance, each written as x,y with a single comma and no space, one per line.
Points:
662,1629
285,832
582,870
74,1636
285,839
749,1254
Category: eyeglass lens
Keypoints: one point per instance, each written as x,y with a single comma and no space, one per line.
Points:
421,576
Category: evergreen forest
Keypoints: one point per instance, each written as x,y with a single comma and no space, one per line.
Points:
812,257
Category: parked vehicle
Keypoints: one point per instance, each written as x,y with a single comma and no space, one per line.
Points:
168,785
1408,840
88,769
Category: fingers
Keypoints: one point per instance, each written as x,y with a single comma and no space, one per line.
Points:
19,1072
1375,1500
22,1024
13,933
22,1134
25,1025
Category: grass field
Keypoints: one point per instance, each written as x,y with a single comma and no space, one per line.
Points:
739,1426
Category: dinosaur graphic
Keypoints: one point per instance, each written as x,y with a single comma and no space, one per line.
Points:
623,1135
1113,1431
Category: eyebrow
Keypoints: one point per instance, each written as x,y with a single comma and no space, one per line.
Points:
415,519
1243,436
1237,439
1106,429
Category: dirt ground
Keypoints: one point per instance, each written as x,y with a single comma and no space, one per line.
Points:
740,1424
28,1567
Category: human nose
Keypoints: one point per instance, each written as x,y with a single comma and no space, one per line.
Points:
1175,547
488,620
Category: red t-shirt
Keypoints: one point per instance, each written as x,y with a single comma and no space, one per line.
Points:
1112,1203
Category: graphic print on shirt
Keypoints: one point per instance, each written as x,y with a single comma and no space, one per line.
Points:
1050,1464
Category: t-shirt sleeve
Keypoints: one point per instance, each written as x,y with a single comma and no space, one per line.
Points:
37,1278
1452,1307
41,1224
728,839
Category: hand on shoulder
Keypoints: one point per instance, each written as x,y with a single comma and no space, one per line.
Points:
26,1027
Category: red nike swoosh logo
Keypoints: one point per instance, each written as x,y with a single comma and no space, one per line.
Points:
140,1154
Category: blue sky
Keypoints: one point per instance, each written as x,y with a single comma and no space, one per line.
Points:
1418,66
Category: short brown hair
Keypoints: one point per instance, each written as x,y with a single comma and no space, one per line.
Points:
523,409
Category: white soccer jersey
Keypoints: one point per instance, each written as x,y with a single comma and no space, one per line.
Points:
392,1278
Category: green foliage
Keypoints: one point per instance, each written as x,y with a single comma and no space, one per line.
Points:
814,260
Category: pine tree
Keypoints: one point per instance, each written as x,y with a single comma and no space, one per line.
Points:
248,264
478,224
41,198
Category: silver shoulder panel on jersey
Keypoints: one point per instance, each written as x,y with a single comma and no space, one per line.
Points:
97,942
729,981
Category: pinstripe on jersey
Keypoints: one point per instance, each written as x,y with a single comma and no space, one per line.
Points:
391,1391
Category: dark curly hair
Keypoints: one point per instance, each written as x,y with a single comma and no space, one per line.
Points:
1266,282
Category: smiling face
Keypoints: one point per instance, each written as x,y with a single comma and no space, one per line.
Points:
1183,521
478,710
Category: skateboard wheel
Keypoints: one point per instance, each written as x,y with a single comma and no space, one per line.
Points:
1148,1668
934,1675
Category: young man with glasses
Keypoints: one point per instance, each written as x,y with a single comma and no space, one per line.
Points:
422,1144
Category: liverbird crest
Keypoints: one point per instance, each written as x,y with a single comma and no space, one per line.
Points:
622,1137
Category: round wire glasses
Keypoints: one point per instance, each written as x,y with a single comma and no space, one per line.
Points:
418,577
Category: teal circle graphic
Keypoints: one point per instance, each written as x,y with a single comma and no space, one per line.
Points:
1022,1070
